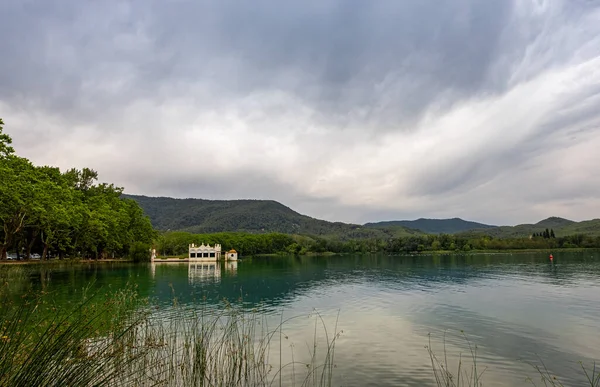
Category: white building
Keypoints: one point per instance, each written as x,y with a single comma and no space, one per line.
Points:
231,255
204,252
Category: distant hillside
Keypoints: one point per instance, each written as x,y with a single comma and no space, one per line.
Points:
554,222
433,226
560,226
256,216
262,216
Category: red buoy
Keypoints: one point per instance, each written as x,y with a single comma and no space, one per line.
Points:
551,257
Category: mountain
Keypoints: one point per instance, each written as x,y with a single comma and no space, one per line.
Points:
261,216
588,227
433,226
560,226
255,216
554,222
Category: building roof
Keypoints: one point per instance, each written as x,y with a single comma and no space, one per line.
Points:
232,251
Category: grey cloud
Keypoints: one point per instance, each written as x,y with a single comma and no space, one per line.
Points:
336,76
336,55
343,52
238,185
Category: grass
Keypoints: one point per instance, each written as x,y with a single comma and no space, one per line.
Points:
116,339
42,345
471,375
547,379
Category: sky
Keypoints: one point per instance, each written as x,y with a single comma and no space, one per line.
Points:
345,110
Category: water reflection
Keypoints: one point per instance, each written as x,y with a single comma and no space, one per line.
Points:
199,272
515,307
203,271
231,267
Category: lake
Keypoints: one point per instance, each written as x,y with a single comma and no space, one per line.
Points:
517,309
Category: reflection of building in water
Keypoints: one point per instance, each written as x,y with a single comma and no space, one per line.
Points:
153,269
210,253
231,266
204,252
200,271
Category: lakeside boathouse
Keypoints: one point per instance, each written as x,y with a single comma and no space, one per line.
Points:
210,253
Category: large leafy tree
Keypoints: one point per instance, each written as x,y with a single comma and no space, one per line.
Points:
66,213
16,198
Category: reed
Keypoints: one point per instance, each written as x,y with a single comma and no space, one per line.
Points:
468,373
116,339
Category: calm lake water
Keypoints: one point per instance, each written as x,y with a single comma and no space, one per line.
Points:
517,309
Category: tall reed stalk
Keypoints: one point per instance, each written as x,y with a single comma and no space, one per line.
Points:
123,341
472,376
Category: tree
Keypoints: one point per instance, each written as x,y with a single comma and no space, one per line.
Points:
16,198
552,233
81,180
56,209
5,140
140,252
64,212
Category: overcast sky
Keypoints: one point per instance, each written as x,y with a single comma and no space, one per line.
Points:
340,109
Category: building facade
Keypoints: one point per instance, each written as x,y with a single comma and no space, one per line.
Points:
204,252
231,255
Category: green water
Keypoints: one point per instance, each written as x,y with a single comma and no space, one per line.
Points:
516,308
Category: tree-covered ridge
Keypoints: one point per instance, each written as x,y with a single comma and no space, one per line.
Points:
44,210
561,227
433,226
267,216
252,216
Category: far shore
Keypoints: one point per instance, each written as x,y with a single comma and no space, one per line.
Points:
309,254
64,260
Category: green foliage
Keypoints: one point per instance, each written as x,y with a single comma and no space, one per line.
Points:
119,342
48,212
5,141
176,243
251,216
560,229
42,345
139,252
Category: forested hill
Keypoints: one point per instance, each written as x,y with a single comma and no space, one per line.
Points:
263,216
255,216
559,226
433,226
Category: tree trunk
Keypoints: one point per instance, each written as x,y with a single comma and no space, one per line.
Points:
45,252
30,243
2,252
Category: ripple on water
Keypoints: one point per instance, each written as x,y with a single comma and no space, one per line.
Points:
515,308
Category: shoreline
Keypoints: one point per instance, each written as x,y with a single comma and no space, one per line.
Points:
64,260
309,254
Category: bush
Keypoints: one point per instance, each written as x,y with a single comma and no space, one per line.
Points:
139,252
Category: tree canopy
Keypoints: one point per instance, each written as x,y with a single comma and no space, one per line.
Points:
64,213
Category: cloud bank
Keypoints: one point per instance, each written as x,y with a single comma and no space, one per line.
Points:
341,109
